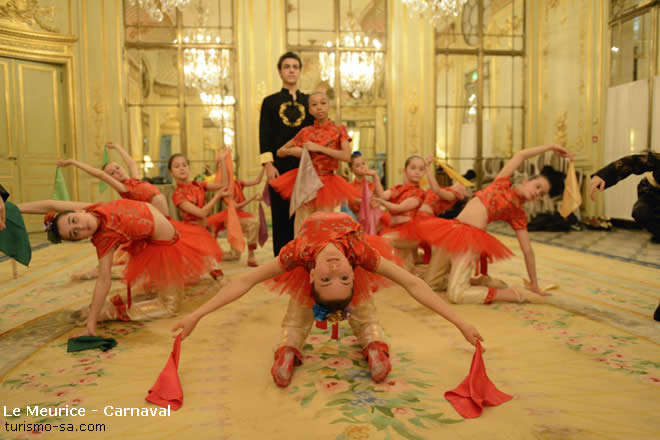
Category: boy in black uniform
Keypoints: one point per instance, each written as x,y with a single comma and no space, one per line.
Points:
283,114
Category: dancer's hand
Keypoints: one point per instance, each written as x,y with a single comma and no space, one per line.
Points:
312,147
470,333
536,289
561,151
271,171
221,153
187,325
2,214
596,184
370,172
64,162
429,159
90,330
111,145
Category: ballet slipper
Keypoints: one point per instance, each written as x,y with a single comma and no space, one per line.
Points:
525,295
282,369
252,263
378,355
217,274
488,281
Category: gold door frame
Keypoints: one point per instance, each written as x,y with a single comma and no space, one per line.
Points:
48,48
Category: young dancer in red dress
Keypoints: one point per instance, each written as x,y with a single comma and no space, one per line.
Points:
439,199
129,186
461,242
329,266
361,171
249,223
164,255
190,198
328,143
402,202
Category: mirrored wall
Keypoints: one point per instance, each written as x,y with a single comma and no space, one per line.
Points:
480,83
180,83
342,44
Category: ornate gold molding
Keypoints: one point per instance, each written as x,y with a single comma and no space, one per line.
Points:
412,122
27,13
561,129
35,44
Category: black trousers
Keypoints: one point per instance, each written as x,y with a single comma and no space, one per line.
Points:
282,224
646,210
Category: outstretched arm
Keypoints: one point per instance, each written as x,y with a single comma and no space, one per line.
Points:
101,289
423,294
530,260
256,181
620,169
46,206
525,154
95,172
221,165
246,201
230,293
433,182
204,210
396,208
379,191
132,165
289,149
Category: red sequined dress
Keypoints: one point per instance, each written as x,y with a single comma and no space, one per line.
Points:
399,193
335,189
502,202
139,190
152,264
320,229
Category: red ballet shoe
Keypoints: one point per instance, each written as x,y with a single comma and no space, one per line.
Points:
378,355
252,263
282,370
216,274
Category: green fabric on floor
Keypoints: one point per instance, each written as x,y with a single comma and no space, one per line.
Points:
90,342
14,241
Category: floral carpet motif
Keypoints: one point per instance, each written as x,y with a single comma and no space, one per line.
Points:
337,372
578,367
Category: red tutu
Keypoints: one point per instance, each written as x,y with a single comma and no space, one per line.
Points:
160,265
457,237
297,283
334,191
217,221
407,230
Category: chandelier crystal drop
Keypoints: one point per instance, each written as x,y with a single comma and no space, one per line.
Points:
157,8
435,10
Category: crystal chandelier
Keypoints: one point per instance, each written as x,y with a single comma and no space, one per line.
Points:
204,69
155,8
437,9
357,68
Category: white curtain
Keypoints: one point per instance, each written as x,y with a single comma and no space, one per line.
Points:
626,133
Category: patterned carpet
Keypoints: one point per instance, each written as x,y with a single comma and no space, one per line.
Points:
583,366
